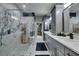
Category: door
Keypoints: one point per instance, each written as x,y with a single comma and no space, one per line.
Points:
39,29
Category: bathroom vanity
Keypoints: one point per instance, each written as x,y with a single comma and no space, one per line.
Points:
61,46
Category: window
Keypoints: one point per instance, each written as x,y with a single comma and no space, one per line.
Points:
73,14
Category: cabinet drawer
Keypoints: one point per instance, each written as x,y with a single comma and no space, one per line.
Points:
60,47
68,52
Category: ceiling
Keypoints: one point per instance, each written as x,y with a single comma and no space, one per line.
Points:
37,8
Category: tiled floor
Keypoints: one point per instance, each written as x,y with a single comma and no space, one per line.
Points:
40,39
12,46
32,50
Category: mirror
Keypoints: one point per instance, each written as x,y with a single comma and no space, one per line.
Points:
47,23
71,18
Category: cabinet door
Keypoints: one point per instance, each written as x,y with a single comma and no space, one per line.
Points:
58,52
48,42
61,54
68,52
60,47
57,48
52,53
46,39
53,42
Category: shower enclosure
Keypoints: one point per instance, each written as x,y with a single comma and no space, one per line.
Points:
10,32
7,22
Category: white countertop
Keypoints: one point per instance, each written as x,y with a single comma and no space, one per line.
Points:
72,44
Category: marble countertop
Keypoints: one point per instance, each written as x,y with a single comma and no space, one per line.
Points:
72,44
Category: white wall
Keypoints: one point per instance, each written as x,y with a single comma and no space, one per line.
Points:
66,20
59,9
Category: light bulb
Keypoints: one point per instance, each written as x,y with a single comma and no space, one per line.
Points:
23,6
14,17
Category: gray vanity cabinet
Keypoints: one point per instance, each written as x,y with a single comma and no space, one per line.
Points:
56,48
50,44
53,48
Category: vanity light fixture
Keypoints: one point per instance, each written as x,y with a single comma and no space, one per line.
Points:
58,12
50,18
46,23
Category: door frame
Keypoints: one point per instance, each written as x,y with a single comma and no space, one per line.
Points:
36,28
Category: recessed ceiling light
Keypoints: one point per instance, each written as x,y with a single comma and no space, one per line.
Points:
23,6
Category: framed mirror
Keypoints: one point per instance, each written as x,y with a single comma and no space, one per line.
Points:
71,19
